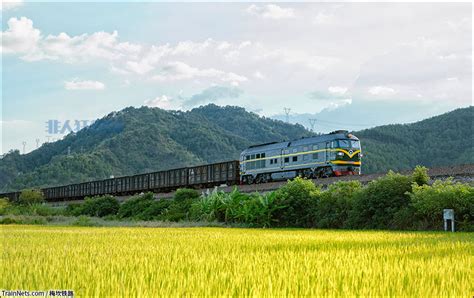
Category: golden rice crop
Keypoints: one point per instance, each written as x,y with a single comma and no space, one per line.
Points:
219,261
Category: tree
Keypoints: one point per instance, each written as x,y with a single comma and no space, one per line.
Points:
31,197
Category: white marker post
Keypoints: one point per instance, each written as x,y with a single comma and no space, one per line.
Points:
448,216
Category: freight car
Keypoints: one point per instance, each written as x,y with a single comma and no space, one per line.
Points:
335,154
209,175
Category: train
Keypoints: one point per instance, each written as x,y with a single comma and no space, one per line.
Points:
335,154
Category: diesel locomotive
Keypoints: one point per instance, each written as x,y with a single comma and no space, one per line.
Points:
335,154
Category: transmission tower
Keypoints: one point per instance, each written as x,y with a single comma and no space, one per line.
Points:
287,112
312,122
24,146
37,143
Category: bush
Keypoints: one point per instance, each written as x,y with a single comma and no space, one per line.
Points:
143,207
10,221
135,205
31,197
185,194
297,200
180,206
99,206
335,204
4,205
429,202
420,175
376,204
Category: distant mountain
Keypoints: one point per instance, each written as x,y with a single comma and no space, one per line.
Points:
442,140
137,140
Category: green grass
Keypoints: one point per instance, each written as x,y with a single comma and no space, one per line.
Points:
101,261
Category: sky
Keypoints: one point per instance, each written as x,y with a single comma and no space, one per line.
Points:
347,65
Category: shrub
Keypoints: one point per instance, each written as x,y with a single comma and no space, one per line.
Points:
10,221
429,202
335,204
135,205
297,200
209,207
420,175
4,205
100,206
185,194
377,203
143,207
31,196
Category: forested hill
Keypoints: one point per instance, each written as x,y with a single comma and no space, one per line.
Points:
438,141
137,140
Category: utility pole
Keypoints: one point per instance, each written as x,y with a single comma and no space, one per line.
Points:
312,122
287,112
24,146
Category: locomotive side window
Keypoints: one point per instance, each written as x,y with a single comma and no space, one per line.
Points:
295,158
315,155
287,159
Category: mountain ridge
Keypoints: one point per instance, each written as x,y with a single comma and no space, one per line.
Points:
136,140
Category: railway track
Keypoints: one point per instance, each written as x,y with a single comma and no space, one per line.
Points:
461,173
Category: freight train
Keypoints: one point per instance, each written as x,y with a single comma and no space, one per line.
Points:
335,154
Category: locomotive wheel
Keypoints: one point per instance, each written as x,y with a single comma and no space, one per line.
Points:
247,179
326,172
262,178
308,174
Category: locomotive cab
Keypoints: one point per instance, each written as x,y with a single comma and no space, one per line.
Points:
345,155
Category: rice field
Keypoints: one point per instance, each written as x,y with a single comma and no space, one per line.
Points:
151,262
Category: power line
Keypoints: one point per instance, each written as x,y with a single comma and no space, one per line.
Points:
312,122
287,112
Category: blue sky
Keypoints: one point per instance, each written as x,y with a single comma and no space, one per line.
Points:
376,63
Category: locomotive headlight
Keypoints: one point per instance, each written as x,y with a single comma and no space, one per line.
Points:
340,153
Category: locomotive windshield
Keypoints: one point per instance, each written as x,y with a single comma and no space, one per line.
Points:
349,144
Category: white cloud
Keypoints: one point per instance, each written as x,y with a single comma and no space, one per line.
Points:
223,46
324,19
337,90
382,90
177,70
271,11
258,75
20,37
83,85
162,102
10,4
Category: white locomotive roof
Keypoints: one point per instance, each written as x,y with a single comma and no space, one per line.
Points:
298,142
